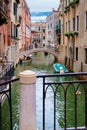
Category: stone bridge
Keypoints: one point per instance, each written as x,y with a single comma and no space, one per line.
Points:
52,50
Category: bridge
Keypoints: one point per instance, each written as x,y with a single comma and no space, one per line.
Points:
52,50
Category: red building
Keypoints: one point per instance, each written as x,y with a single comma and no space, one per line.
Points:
4,13
26,26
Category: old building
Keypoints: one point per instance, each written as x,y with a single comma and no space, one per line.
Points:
4,18
73,34
38,34
13,36
25,26
60,33
51,22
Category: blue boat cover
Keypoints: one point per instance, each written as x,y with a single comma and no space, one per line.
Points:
57,67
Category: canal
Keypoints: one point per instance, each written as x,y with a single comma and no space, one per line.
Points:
42,63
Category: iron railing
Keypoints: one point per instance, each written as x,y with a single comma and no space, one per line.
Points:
8,71
65,84
55,83
6,93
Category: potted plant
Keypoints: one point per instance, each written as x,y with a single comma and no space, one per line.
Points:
72,4
65,11
75,33
67,34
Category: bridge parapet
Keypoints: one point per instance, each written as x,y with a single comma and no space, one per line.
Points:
52,50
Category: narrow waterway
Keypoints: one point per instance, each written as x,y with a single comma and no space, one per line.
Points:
42,63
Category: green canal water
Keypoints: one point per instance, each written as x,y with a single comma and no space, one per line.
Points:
42,63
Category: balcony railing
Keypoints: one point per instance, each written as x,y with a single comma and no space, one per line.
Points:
3,11
77,88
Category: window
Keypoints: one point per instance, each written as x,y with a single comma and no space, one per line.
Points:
27,30
66,26
4,39
51,25
69,26
43,37
16,32
67,2
86,19
59,24
48,26
85,56
73,24
77,23
15,8
76,53
38,28
43,30
12,29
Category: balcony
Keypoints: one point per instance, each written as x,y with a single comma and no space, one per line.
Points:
3,12
72,33
73,3
27,85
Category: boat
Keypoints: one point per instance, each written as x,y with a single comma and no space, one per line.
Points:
60,68
27,57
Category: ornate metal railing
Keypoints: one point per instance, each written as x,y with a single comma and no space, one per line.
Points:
6,92
58,83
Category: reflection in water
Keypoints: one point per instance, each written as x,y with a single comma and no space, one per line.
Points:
42,58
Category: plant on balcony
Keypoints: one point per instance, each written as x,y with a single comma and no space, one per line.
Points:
76,1
67,7
65,11
67,34
75,33
72,33
73,2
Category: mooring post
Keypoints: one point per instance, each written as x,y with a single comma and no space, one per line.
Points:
27,120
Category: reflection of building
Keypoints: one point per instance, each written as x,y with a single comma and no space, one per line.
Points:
39,33
4,7
50,28
26,26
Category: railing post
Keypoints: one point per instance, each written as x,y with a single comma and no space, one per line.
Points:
27,101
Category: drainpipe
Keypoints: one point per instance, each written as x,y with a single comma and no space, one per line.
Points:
27,101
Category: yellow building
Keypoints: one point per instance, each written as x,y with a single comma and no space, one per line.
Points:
73,34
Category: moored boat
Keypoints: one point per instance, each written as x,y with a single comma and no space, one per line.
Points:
58,67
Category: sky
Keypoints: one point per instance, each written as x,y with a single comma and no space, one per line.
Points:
41,8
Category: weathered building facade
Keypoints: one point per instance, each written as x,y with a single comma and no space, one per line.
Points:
73,34
4,18
51,22
13,37
25,26
38,33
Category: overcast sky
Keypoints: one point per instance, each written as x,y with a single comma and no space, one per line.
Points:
41,6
